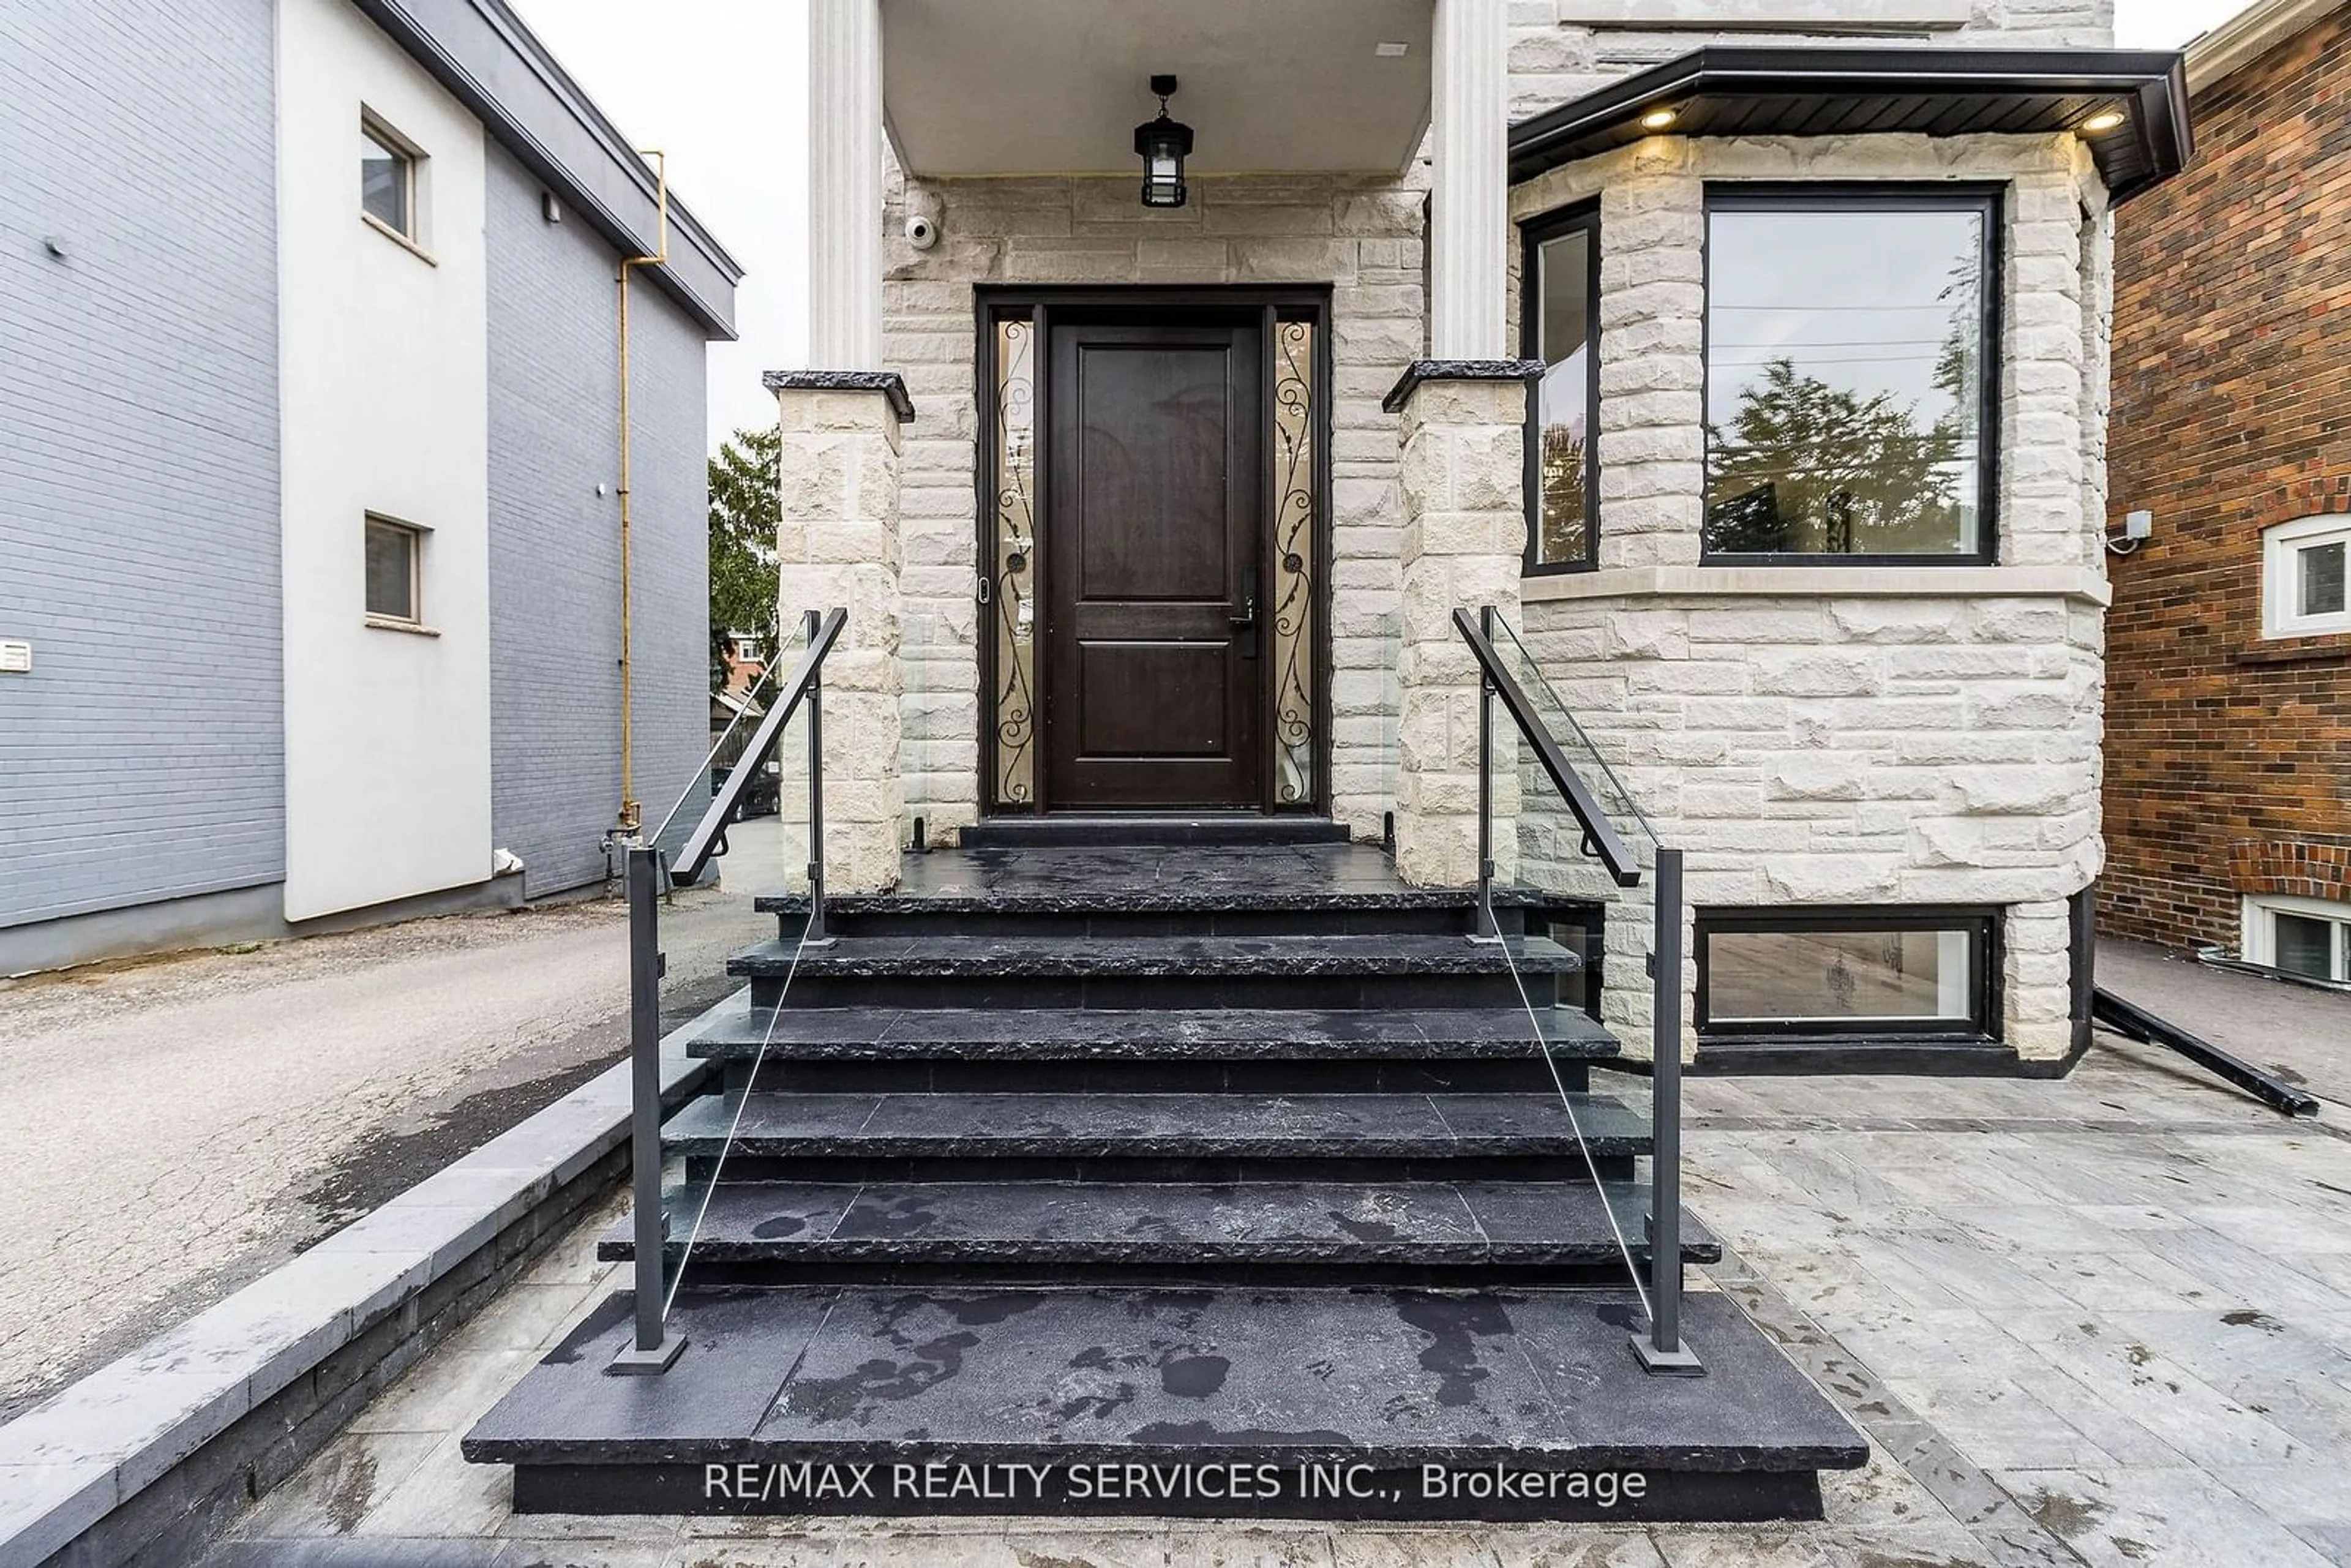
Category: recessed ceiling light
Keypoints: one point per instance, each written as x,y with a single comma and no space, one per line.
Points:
2104,120
1391,51
1657,118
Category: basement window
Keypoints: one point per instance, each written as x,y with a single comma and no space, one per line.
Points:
1850,383
395,557
2303,590
2301,936
1806,973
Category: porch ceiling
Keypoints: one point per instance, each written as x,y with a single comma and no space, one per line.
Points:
1021,87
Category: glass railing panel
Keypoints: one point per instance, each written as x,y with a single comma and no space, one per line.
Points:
1616,801
1367,712
1555,886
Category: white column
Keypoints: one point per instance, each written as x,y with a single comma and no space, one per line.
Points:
845,185
1468,261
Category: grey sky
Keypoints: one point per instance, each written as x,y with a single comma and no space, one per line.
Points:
720,86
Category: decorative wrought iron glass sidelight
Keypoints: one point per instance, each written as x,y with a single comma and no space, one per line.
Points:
1012,575
1296,551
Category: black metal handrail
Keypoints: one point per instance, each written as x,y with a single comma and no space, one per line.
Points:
653,1348
1660,1347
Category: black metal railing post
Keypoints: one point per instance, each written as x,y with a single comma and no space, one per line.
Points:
1487,925
1661,1348
653,1347
816,931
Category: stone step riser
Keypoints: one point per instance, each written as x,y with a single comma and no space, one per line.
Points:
1562,1163
1482,1075
1127,832
1172,992
712,1269
1125,923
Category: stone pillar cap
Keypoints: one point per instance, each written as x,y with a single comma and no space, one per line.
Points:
889,383
1421,370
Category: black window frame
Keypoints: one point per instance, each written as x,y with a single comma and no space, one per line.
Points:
1533,234
1983,1026
1846,195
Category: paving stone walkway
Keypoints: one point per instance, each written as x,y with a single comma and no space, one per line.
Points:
2101,1320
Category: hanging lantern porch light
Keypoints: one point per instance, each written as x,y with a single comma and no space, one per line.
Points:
1162,144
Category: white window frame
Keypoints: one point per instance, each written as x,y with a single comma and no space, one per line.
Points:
2281,550
416,236
2259,942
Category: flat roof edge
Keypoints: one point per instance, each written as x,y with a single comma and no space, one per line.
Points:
481,51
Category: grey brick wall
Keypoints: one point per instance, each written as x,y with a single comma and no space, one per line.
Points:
139,500
555,604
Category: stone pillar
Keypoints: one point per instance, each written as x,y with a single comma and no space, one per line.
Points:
1465,532
838,548
1470,217
845,183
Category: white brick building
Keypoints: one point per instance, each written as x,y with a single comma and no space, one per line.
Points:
1164,507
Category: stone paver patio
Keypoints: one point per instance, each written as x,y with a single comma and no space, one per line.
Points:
2101,1320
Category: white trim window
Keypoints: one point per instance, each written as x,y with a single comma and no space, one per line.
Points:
2306,576
2301,936
391,186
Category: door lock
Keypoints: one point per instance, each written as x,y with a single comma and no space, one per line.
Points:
1246,621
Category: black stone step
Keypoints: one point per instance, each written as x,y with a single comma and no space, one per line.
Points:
739,1029
1030,1136
1213,914
1071,830
1326,971
1269,1050
1257,1232
1114,893
1542,1384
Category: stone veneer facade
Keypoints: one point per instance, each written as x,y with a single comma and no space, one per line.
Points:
1809,736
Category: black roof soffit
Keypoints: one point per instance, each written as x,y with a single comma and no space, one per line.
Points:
1735,90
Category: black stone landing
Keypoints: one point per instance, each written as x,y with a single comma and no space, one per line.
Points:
1236,1403
1203,1163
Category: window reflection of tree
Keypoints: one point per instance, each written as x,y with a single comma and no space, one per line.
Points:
1809,467
1564,523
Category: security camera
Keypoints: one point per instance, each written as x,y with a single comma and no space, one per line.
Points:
922,231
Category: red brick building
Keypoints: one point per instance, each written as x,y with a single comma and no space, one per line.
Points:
2228,773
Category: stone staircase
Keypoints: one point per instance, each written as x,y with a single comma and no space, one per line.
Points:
1231,1179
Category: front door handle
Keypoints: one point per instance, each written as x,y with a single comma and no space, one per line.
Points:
1246,621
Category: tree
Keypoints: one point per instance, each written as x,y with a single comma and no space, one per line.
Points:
745,510
1809,467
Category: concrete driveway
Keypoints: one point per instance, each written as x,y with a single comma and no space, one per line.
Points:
172,1129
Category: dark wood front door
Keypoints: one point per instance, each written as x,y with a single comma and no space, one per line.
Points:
1154,682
